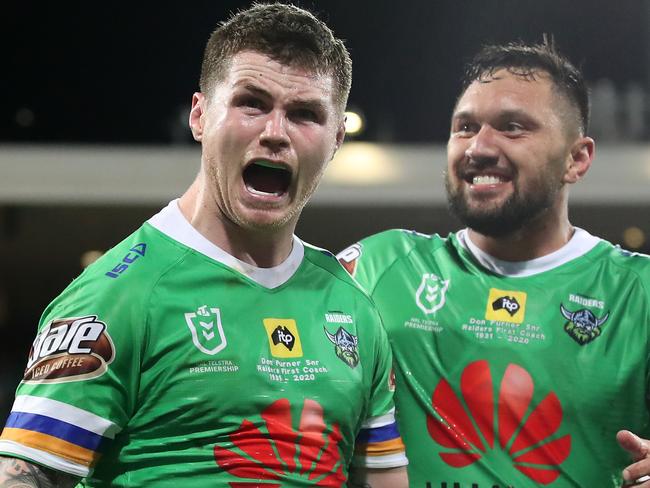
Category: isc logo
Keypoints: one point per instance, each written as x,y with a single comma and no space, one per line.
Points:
135,252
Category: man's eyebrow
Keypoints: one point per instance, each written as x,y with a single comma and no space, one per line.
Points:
312,103
502,114
463,114
254,89
514,114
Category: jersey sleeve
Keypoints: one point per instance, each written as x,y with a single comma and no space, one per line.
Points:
379,444
643,268
81,379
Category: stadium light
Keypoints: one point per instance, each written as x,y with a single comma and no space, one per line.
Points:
634,237
354,123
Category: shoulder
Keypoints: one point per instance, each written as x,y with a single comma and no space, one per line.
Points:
368,259
329,264
394,244
630,267
144,252
125,273
397,240
635,262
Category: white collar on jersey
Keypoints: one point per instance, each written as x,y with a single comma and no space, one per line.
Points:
172,222
580,243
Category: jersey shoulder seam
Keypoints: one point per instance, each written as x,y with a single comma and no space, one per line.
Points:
344,278
611,248
413,245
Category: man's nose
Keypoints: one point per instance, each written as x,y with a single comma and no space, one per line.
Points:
484,146
275,134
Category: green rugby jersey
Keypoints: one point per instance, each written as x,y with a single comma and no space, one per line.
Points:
512,374
170,360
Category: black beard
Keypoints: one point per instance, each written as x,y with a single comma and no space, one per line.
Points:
513,215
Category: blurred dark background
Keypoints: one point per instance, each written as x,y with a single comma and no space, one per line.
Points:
122,74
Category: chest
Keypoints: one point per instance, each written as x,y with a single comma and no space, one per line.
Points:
571,330
231,352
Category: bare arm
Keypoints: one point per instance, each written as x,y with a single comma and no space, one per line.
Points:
378,478
16,473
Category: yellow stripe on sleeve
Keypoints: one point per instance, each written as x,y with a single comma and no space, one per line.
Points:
52,445
392,446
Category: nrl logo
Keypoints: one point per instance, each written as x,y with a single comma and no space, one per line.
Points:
583,326
207,335
430,296
345,346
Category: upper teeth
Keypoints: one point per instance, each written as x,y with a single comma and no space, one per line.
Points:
486,180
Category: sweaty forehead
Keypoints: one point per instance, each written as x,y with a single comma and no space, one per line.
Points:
253,69
505,91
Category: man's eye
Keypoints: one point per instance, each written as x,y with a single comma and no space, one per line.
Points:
466,127
251,102
304,114
513,127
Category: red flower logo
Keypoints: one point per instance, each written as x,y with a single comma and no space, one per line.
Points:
310,452
525,437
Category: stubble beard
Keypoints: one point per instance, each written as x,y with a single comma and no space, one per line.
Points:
512,215
232,215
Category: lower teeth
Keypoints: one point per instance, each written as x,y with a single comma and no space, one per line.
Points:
263,193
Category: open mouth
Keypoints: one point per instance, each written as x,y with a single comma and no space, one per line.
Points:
266,178
486,180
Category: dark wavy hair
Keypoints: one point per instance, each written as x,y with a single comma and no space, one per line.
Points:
527,61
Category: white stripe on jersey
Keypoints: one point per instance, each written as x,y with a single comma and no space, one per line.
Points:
375,422
66,413
44,458
388,461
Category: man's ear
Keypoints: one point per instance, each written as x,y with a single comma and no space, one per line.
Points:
340,136
196,115
580,159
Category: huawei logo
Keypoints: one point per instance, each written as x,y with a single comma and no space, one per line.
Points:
476,426
277,452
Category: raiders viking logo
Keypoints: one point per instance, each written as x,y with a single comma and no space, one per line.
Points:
345,346
583,326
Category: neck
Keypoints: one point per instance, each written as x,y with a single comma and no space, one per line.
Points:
264,248
538,238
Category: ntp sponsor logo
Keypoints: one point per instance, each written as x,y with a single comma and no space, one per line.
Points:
283,336
506,306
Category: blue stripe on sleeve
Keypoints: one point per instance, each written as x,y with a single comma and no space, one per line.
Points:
378,434
56,428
